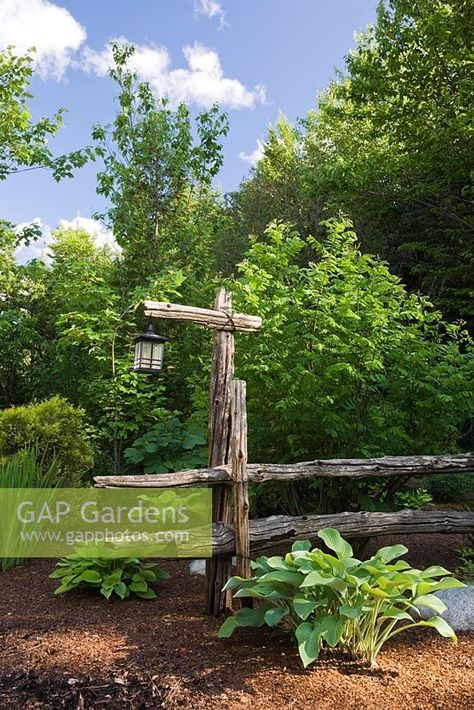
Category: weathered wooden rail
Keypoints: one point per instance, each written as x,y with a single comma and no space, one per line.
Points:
405,466
268,533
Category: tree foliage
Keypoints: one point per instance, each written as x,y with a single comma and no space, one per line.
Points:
391,142
157,175
23,142
274,190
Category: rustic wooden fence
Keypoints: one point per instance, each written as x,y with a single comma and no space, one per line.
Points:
244,537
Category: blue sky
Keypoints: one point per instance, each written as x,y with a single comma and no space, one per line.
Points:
258,57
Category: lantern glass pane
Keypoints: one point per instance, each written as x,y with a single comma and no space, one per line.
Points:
138,347
156,362
145,354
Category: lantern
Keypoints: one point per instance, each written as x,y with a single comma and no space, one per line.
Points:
149,349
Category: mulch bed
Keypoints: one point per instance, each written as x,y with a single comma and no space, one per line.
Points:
78,651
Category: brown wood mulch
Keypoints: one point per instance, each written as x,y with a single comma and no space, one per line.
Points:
78,651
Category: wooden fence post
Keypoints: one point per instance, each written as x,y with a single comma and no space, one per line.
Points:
219,569
238,456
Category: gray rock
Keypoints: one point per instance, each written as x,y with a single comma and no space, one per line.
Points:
199,566
459,608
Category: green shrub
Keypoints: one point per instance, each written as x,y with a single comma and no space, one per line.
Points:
121,576
348,363
338,600
56,429
26,470
169,446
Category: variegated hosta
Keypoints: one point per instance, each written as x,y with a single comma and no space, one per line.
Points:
339,601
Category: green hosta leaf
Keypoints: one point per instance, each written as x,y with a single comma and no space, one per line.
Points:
303,631
315,579
234,582
293,578
113,578
70,578
227,628
400,565
280,563
331,628
148,594
306,566
446,583
274,616
434,571
352,612
396,582
120,589
91,576
106,591
252,617
301,546
441,626
304,606
64,588
350,563
264,591
372,569
393,613
374,591
335,542
138,586
431,601
260,564
387,554
309,642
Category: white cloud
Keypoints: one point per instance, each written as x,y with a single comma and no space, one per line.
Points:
58,37
39,249
52,30
203,81
211,9
256,155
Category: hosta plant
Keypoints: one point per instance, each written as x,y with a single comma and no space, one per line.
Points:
121,576
335,600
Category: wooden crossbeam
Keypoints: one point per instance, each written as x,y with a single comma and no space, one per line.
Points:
384,467
213,319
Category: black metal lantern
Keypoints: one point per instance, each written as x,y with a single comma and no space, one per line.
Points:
149,350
